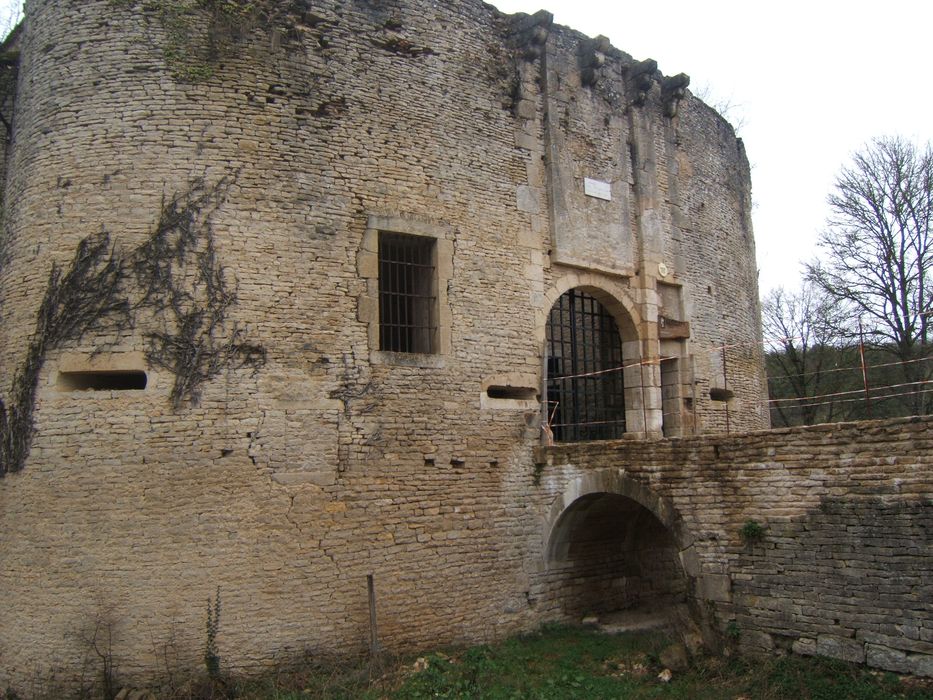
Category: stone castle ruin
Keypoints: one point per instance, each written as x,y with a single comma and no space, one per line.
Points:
300,295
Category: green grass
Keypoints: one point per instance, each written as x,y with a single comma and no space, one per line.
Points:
562,663
565,663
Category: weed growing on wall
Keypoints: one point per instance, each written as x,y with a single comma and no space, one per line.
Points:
752,531
98,642
211,654
201,33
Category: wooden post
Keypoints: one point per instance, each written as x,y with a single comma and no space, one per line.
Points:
373,634
861,352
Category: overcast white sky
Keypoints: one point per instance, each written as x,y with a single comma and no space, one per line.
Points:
810,83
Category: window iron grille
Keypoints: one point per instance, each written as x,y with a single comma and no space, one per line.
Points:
585,389
407,297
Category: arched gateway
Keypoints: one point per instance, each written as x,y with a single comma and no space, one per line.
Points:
585,383
599,385
611,544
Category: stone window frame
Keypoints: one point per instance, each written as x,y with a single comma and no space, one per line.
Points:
368,269
407,293
643,417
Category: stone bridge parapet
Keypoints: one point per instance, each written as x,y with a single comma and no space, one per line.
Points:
842,563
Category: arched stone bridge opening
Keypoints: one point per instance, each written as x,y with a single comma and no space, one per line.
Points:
615,550
842,516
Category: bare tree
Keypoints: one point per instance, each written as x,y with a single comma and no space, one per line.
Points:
730,110
877,255
801,333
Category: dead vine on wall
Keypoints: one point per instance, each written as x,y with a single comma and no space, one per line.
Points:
178,279
86,294
184,284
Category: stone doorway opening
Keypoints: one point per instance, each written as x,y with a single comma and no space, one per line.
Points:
612,562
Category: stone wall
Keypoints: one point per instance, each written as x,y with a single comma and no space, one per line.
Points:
844,565
285,486
461,553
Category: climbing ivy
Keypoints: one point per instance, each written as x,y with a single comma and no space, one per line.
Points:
184,284
85,294
174,276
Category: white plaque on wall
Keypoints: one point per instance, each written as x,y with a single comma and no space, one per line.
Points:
597,188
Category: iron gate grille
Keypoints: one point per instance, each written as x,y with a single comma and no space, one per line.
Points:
585,402
407,319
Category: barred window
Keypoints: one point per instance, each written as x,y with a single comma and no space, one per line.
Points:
586,395
407,293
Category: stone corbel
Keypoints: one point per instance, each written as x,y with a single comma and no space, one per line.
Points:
530,32
642,75
673,90
592,58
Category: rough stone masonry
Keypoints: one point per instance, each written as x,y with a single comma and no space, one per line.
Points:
338,273
843,565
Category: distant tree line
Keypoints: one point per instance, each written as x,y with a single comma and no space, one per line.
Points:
854,341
